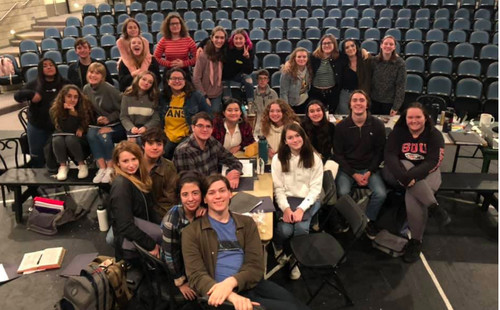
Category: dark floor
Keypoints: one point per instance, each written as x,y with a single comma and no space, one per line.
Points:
463,257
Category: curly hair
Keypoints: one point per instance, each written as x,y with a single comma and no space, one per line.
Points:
133,90
291,66
83,108
165,26
141,178
188,86
319,53
306,151
289,115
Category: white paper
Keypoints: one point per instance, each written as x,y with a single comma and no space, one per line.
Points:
3,275
247,170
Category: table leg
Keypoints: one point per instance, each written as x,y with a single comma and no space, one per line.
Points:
455,160
17,206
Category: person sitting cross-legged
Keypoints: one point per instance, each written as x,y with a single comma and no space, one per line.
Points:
222,254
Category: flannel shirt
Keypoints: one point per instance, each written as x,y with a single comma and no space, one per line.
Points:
172,225
219,132
189,156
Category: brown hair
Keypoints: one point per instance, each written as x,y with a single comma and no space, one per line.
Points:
154,134
99,68
83,108
201,115
81,41
165,26
306,151
291,66
362,92
188,86
133,90
289,115
139,59
318,52
211,179
210,51
394,55
141,178
124,28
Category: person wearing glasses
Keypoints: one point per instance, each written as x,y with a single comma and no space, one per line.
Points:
179,102
326,65
203,153
176,49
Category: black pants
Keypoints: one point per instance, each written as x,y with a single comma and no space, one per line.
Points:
326,96
274,297
380,108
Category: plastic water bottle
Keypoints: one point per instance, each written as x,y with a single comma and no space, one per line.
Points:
102,218
263,152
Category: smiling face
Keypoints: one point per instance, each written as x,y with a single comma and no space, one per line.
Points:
136,46
153,149
262,81
145,82
190,197
174,26
301,59
128,162
239,41
217,198
218,39
294,141
275,114
327,46
232,113
415,119
202,130
83,51
358,104
176,81
132,29
388,46
350,48
49,69
71,98
94,77
315,113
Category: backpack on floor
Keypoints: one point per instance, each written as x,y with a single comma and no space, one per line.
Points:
101,286
391,244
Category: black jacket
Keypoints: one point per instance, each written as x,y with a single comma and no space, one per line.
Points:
38,113
358,148
235,63
75,74
126,201
337,67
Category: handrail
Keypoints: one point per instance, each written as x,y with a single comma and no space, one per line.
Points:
23,4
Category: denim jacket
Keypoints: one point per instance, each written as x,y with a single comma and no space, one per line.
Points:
192,105
290,88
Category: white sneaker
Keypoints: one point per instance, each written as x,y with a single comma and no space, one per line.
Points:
295,273
62,173
83,171
107,175
99,175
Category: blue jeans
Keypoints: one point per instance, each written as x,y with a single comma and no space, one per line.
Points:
246,81
216,104
376,185
286,230
101,144
37,138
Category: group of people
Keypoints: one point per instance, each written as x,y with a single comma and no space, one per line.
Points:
162,150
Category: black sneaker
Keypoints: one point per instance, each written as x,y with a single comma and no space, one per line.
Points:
412,251
371,230
439,214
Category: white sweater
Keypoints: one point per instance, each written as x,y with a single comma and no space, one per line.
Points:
299,182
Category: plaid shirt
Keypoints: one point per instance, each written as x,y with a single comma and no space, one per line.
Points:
172,225
189,156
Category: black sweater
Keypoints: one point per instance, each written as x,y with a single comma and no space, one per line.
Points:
126,79
38,113
321,139
425,152
358,148
235,63
126,201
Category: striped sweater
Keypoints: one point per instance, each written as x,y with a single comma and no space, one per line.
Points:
183,49
138,112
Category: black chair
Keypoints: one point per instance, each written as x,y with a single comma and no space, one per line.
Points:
305,43
257,34
120,8
482,24
151,7
415,48
107,19
431,103
456,37
73,21
277,22
275,81
262,48
415,65
491,73
283,48
468,97
413,35
434,35
311,22
482,14
469,69
370,46
490,105
462,52
488,55
461,24
372,34
322,253
386,13
423,13
89,9
438,49
441,66
335,13
72,57
440,86
49,45
369,12
271,62
55,56
28,46
28,60
90,20
166,6
414,88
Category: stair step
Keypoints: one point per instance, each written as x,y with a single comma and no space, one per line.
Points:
12,50
50,23
42,28
34,35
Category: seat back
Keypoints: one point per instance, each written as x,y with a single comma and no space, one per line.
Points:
355,217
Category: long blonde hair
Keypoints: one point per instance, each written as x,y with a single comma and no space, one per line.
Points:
141,178
291,66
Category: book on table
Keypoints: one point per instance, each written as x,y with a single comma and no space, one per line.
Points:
50,258
244,202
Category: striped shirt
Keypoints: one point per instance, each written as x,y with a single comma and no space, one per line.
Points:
183,49
324,75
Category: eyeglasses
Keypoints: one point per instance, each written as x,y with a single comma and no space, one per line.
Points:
176,79
200,126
